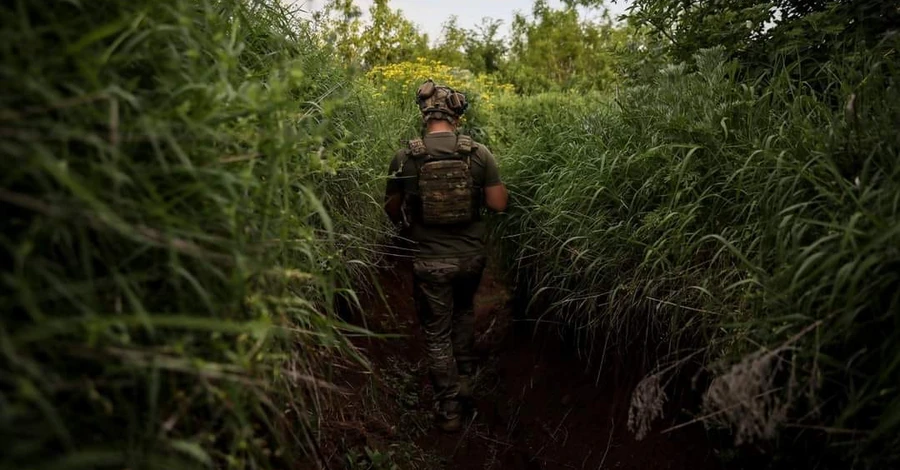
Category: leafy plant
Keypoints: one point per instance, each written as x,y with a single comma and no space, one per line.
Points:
371,460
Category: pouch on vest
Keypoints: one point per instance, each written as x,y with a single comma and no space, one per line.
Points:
446,189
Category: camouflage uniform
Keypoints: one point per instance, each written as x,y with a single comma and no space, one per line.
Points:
449,239
444,294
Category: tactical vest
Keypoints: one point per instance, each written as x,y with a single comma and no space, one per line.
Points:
446,192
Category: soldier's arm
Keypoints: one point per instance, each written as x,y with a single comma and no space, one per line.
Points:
495,194
393,194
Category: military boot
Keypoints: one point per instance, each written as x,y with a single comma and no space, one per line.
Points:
449,418
466,385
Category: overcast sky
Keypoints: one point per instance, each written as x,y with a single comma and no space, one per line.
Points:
430,14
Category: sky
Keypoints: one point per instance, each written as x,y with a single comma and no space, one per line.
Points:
429,15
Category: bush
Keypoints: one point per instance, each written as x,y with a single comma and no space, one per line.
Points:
180,214
395,86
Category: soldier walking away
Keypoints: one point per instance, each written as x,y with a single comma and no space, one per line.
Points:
439,186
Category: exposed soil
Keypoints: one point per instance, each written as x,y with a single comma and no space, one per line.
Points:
537,405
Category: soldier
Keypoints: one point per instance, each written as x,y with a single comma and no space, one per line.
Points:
437,189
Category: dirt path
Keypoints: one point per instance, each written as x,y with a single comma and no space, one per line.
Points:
537,407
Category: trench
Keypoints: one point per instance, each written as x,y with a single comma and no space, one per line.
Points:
537,404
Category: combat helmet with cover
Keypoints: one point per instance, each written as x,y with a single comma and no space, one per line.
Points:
446,192
440,102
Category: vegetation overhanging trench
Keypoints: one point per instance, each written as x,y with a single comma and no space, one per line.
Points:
189,185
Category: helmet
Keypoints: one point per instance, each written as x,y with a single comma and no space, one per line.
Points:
440,102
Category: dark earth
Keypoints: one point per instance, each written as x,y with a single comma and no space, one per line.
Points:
538,406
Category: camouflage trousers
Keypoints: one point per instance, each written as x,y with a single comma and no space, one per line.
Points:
445,296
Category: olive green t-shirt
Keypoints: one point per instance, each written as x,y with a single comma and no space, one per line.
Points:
449,240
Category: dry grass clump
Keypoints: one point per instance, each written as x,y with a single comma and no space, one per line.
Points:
746,398
647,403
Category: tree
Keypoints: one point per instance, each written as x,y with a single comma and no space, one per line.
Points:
478,50
391,37
387,37
452,43
558,49
690,25
485,49
753,30
340,25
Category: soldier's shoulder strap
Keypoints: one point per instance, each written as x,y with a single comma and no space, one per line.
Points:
417,148
464,144
414,148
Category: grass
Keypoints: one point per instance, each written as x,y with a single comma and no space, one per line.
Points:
699,217
191,189
180,216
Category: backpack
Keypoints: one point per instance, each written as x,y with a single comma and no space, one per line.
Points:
446,193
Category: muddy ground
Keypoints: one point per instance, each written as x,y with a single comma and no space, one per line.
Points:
538,405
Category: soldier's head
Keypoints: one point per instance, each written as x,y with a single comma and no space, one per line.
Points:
440,104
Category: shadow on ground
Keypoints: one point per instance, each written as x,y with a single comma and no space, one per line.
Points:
537,405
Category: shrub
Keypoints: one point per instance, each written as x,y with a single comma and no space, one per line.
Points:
395,87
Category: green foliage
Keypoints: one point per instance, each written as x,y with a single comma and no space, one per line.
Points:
396,85
371,460
387,36
558,49
180,213
760,32
391,37
188,186
752,221
688,26
397,456
451,46
339,25
480,50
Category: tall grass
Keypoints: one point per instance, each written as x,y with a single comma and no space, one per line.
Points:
179,216
751,225
188,185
